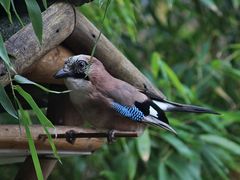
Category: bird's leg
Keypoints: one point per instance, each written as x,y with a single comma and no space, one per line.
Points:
111,136
71,136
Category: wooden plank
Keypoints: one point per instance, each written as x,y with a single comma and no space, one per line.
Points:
82,41
23,47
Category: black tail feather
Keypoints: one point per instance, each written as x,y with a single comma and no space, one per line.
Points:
175,106
189,108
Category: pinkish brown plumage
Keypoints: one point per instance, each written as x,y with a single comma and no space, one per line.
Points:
120,91
110,103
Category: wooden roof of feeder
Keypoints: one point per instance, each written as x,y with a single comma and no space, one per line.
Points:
65,32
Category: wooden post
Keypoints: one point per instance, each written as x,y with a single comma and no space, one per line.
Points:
27,171
24,48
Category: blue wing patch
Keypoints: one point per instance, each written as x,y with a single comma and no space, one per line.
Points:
130,112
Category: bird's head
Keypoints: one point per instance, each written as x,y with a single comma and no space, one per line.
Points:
75,67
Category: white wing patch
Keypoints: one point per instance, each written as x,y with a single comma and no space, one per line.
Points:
153,112
164,106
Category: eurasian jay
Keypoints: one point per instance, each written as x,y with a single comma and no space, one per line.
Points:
110,103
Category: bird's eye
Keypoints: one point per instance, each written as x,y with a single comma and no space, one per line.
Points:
78,66
81,64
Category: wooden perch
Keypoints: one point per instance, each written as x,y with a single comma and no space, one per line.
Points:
15,143
24,48
82,41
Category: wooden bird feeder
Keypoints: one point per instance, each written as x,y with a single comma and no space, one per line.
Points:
65,32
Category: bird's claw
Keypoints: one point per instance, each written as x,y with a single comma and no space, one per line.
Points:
71,136
111,136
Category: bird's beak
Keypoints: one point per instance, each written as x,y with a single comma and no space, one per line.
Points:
63,74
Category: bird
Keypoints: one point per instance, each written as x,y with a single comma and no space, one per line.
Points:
110,103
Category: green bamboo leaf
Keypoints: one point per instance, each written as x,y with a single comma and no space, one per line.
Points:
35,15
214,162
230,118
6,5
4,54
211,5
162,171
207,128
22,80
235,46
34,155
175,80
44,3
144,146
180,167
6,103
16,14
42,118
154,64
235,4
178,145
25,120
100,33
132,166
222,142
106,174
170,3
52,144
101,2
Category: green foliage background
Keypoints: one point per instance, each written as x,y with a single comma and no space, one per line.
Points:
190,50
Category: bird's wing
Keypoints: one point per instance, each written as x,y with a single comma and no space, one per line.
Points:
120,91
128,96
135,105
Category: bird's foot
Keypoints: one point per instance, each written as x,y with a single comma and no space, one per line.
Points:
111,136
71,136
